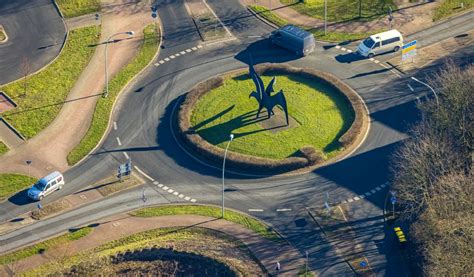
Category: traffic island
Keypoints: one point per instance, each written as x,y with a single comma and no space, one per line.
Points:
326,120
3,35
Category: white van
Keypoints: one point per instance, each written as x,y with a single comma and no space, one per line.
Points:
381,43
46,185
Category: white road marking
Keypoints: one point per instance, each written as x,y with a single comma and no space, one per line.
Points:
344,202
371,59
376,61
155,183
180,196
378,188
160,185
361,196
373,191
162,62
255,210
187,198
165,188
119,142
157,64
177,54
170,190
349,50
283,210
254,36
182,52
115,224
350,200
175,193
126,155
115,125
356,198
338,47
383,185
200,46
172,57
372,89
410,87
167,59
368,193
143,173
82,196
343,49
188,50
193,200
194,48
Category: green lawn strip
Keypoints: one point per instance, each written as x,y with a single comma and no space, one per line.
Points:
11,183
317,32
342,10
3,148
44,246
47,90
450,7
2,35
73,8
242,219
104,106
321,112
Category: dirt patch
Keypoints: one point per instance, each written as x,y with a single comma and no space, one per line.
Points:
51,209
427,55
113,185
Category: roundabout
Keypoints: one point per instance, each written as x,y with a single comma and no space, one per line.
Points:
325,119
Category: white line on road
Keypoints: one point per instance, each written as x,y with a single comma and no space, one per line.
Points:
167,59
349,50
175,193
188,50
194,48
200,46
343,49
383,185
371,59
356,198
126,155
378,188
160,185
338,47
410,87
172,57
119,142
376,61
254,36
283,210
350,200
193,200
373,191
255,210
187,198
165,188
157,64
368,193
170,190
155,183
115,125
180,196
182,52
143,173
161,62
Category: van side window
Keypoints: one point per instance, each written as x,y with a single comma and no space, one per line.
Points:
377,44
390,40
53,183
60,179
47,187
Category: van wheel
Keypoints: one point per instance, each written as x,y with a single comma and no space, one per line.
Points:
396,48
60,187
371,55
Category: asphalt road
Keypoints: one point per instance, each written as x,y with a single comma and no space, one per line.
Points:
36,34
144,120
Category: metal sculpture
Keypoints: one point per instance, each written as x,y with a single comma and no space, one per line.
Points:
264,95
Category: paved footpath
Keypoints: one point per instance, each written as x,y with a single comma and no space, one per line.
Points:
267,252
48,150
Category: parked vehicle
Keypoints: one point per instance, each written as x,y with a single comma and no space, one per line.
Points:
46,185
294,39
381,43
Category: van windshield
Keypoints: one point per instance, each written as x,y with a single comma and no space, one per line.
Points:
40,185
368,42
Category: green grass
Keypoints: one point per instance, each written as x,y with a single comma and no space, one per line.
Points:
3,148
44,246
73,8
318,33
47,90
11,183
322,112
242,219
103,108
3,36
450,7
342,10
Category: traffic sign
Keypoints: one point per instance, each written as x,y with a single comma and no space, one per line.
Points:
363,264
409,50
125,169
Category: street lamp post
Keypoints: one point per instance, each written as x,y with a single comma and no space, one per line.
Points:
28,162
130,33
325,16
223,171
428,86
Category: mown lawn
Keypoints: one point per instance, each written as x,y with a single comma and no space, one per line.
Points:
342,10
46,91
317,32
11,183
321,112
44,246
242,219
73,8
450,7
103,108
3,148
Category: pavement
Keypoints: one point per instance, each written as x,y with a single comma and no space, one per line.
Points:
36,33
51,146
121,225
145,128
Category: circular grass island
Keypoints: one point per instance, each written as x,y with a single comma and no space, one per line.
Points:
324,119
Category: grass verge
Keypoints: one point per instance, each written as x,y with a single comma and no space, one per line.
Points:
242,219
44,246
342,10
318,33
11,183
449,7
3,36
320,113
46,91
3,148
104,106
73,8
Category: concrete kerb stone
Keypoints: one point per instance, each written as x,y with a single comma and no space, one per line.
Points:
127,85
271,24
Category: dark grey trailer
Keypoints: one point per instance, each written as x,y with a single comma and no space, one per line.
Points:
294,39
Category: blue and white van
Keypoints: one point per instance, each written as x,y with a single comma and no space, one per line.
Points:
46,185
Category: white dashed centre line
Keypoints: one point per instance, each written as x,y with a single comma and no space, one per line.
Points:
255,210
115,125
188,50
182,52
194,48
119,142
175,193
165,188
187,198
343,49
180,196
167,59
193,200
170,190
349,50
172,57
126,155
177,54
283,210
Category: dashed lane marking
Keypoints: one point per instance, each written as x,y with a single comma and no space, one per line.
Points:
182,52
177,54
364,195
119,142
338,47
188,50
194,48
368,193
255,210
181,196
410,87
115,125
160,185
193,200
170,190
343,49
199,46
157,64
175,193
283,210
350,200
373,191
161,62
187,198
155,183
349,51
172,57
143,173
376,61
165,188
167,59
126,155
356,198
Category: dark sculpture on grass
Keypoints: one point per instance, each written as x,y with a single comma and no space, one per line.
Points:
264,95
